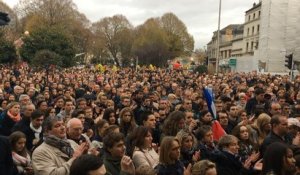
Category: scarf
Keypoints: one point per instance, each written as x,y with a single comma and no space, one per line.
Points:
37,132
62,144
20,161
15,118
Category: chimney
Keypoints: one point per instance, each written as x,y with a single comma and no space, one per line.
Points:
254,4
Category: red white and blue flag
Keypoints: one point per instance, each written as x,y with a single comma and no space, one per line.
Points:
217,129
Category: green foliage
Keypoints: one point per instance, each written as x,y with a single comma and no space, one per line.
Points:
7,50
151,45
201,69
45,58
52,40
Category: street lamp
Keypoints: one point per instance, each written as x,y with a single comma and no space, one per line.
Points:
218,38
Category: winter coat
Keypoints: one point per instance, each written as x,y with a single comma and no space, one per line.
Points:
48,160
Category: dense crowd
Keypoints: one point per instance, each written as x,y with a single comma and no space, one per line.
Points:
150,121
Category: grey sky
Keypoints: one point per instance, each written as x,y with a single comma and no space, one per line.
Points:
200,16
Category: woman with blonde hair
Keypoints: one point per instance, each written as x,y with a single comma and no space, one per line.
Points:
9,118
204,167
262,127
188,151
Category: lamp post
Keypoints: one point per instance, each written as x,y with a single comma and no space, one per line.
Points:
218,38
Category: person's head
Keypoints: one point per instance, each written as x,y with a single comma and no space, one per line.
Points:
24,99
114,144
204,167
110,129
204,134
142,137
18,90
68,105
79,113
243,115
174,122
169,150
275,108
110,116
223,118
59,102
50,112
263,123
27,109
279,159
74,128
186,139
87,164
242,132
55,126
219,105
37,118
125,100
279,124
149,119
145,170
81,103
126,115
14,108
233,111
187,104
206,117
259,94
42,105
229,143
101,126
17,141
189,117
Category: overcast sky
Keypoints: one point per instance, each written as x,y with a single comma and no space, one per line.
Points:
200,16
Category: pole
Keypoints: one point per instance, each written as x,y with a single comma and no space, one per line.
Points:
218,38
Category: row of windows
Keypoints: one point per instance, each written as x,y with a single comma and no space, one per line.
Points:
253,16
253,30
252,46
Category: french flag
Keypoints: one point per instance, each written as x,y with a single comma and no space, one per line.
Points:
217,129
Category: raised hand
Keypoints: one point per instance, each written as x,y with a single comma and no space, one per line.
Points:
127,165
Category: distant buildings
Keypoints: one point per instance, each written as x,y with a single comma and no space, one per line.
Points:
267,35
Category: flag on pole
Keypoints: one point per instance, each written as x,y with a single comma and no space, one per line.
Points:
217,129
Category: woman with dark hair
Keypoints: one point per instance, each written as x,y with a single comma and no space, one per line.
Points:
247,146
101,126
127,122
110,116
20,154
87,164
50,112
206,118
173,124
169,158
207,145
278,160
143,153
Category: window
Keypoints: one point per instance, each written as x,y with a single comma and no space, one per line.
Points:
256,47
252,43
253,15
253,30
248,31
258,13
247,45
258,28
249,17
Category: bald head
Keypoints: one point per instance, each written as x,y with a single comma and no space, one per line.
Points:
74,128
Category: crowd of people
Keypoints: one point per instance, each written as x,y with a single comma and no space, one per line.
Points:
150,121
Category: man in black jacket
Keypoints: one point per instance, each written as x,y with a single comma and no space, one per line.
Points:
278,133
6,161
